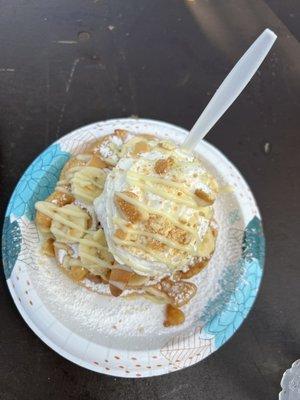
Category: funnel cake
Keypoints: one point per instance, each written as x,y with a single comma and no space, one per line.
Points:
135,213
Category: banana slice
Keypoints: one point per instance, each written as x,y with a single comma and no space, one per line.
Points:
65,255
69,223
74,162
60,199
94,254
67,258
89,208
87,183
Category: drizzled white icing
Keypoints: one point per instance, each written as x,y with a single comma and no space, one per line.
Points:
189,174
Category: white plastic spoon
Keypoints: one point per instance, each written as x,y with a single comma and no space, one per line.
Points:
231,87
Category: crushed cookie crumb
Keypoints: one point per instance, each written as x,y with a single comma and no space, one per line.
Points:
179,293
158,224
120,234
163,165
193,270
174,316
128,209
179,235
156,245
206,197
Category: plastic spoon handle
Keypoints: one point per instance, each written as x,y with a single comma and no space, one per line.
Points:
231,87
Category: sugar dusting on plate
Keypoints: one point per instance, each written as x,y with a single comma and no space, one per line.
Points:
95,315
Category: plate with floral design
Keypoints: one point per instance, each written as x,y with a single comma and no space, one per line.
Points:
123,337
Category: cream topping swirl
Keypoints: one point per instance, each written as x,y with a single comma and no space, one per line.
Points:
173,224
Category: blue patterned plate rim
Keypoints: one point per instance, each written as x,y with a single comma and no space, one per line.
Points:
221,327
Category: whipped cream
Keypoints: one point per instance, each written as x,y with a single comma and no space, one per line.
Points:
189,173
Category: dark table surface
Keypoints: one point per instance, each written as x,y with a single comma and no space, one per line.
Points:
160,59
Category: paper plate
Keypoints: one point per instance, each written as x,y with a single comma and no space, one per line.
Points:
116,336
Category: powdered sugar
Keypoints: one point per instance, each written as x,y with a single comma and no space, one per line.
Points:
130,324
105,151
107,148
200,185
124,323
56,307
202,227
116,140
